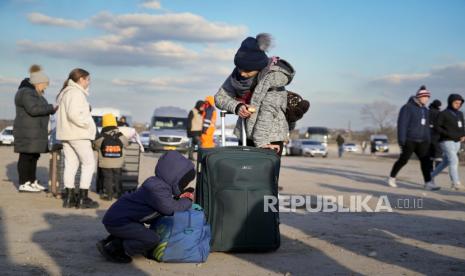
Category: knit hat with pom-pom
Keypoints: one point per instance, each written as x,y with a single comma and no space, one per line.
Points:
251,55
37,75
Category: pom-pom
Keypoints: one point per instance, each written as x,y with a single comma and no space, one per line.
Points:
34,68
264,41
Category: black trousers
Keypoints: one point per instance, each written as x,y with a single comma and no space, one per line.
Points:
137,239
250,143
27,167
195,142
422,150
111,181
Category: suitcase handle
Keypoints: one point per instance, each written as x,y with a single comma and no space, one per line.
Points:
223,129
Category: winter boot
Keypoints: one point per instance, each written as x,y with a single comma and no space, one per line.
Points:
84,201
113,251
70,198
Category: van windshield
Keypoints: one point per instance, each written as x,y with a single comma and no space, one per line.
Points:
315,143
7,132
169,123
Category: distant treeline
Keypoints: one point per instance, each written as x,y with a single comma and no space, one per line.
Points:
5,123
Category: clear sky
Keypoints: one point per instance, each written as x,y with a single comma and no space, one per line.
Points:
145,54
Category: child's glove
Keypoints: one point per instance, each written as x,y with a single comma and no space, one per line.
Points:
187,195
189,190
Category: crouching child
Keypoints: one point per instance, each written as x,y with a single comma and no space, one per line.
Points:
159,195
110,146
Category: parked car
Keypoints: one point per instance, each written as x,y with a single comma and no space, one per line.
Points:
231,141
350,147
169,130
379,143
308,148
145,139
6,136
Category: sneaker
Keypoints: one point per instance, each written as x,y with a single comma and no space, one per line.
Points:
431,186
457,187
392,182
26,187
36,185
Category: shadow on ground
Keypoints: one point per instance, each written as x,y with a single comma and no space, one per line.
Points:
7,265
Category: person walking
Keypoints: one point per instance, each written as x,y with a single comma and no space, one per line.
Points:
76,129
255,91
209,120
435,151
30,128
364,146
414,136
194,127
340,145
451,128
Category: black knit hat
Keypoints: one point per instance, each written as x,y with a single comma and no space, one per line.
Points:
251,55
199,104
435,104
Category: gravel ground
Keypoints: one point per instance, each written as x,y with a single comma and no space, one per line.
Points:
39,237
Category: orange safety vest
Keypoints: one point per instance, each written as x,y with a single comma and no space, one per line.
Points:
209,120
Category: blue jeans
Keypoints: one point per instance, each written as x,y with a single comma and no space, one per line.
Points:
450,158
340,151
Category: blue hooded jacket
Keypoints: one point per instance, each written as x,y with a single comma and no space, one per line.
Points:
155,194
409,127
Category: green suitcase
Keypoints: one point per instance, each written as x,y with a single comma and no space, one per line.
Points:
231,185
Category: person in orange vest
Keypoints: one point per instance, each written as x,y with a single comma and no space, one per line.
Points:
209,120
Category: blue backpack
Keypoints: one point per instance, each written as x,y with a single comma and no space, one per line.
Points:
184,237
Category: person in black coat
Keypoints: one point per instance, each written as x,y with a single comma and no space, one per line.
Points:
451,128
435,150
31,127
414,136
340,145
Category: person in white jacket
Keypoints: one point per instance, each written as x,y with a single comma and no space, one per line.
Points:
76,129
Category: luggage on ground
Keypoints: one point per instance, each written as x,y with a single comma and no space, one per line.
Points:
231,185
184,237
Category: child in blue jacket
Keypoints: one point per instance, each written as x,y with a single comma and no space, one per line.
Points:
158,195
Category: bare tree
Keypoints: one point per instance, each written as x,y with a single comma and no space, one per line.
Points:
381,114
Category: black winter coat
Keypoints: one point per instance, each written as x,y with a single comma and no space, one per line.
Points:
451,124
30,127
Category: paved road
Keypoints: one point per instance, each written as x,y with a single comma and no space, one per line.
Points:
38,237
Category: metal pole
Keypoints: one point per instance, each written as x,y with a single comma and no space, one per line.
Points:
53,174
223,130
244,134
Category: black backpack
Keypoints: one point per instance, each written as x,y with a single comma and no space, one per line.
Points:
112,147
296,107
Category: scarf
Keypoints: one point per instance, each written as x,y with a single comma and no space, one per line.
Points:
240,84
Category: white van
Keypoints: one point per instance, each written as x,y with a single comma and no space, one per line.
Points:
97,114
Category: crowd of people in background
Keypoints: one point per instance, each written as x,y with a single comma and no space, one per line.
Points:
201,125
76,132
433,135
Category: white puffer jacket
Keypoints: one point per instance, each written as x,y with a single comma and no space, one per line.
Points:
74,120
